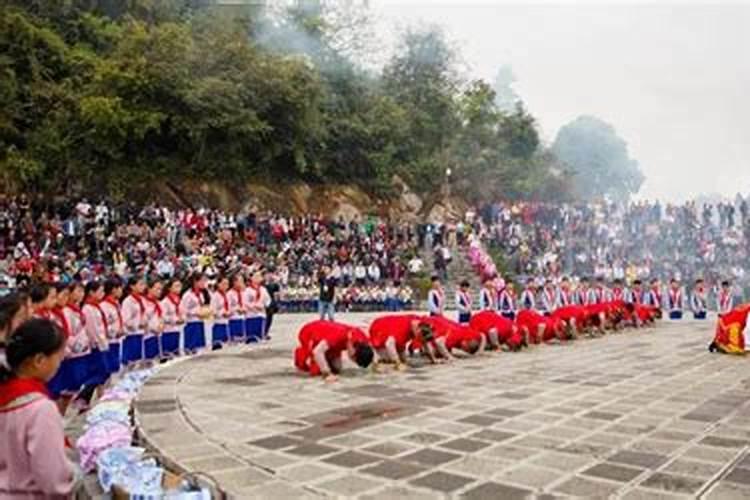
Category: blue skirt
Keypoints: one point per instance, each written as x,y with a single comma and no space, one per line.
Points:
170,343
675,314
255,328
81,370
113,357
237,328
464,318
219,333
699,315
132,348
62,380
195,336
97,371
151,347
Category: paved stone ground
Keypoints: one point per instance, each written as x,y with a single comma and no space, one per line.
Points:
640,414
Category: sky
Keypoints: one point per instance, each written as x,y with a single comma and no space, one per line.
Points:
672,78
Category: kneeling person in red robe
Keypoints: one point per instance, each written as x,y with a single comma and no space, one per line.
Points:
536,328
322,344
390,335
497,329
449,335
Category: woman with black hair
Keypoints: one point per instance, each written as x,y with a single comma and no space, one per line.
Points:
154,320
15,308
220,310
134,320
237,308
79,345
43,300
115,328
173,319
33,462
96,329
194,305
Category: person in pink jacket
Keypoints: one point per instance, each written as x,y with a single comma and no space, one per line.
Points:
194,304
173,319
134,318
96,330
154,320
220,309
33,462
115,327
237,308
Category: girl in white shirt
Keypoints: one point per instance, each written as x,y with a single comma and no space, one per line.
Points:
220,309
194,304
173,319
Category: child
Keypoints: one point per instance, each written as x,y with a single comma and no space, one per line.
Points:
463,303
15,308
96,329
193,304
221,311
154,321
32,457
256,299
115,327
173,319
134,319
237,308
436,298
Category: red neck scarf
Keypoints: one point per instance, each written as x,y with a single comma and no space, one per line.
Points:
19,387
111,300
239,297
175,300
77,310
139,298
198,295
157,306
60,315
226,301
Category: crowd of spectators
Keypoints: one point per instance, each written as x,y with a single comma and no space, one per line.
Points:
55,241
632,241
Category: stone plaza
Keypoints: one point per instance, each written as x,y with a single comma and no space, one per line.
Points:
638,414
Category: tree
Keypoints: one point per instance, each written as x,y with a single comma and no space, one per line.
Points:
506,97
422,78
598,158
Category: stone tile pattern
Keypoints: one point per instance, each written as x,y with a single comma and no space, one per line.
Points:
637,414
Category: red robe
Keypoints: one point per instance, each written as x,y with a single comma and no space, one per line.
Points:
336,335
397,326
484,321
568,313
455,334
729,336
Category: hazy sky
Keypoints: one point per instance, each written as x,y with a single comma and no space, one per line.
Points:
672,78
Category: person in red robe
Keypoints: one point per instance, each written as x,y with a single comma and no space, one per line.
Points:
450,335
536,328
574,317
390,335
731,330
322,344
497,329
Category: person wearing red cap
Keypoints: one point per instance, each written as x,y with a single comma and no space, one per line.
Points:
390,335
322,344
497,329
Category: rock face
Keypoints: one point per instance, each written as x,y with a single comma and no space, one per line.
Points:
333,200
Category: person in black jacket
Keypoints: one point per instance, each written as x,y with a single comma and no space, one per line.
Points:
327,296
